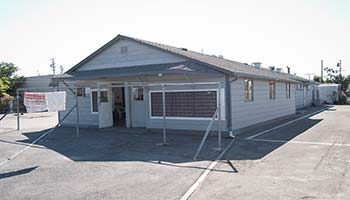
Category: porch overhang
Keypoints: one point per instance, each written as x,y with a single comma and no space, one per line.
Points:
142,70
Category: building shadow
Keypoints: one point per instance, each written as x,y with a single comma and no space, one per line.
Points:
119,145
17,173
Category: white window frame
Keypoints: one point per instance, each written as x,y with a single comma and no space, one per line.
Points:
274,90
252,92
189,90
91,107
83,90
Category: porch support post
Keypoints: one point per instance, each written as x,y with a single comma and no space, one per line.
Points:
219,117
58,113
98,103
128,99
77,110
164,115
17,102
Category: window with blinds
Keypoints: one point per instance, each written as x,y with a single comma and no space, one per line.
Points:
184,104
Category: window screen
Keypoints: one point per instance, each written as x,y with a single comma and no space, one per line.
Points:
94,102
184,104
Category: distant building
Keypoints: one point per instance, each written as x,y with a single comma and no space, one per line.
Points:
37,81
328,92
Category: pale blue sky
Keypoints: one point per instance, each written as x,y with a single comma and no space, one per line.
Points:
296,33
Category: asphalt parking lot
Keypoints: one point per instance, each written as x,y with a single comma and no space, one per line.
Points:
304,160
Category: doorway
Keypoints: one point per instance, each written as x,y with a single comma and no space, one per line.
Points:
119,117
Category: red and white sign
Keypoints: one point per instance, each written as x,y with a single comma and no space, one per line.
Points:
35,102
45,101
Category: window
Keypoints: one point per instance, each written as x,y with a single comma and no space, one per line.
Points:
138,94
94,102
272,86
194,104
288,90
104,96
248,90
123,50
81,92
307,87
299,86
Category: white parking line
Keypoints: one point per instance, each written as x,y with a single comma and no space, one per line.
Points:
282,125
26,148
197,183
301,142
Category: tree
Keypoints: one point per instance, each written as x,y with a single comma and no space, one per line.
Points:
332,74
9,80
318,79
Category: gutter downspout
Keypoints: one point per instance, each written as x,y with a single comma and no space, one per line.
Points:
229,79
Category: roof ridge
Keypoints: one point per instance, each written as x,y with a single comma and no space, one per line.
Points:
181,49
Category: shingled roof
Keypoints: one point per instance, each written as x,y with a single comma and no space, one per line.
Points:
221,64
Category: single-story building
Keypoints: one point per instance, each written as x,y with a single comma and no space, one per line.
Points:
42,81
328,92
194,85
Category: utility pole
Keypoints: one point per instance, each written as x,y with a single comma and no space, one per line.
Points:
321,71
339,65
53,66
61,69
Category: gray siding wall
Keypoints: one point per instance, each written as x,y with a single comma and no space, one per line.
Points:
309,95
299,98
262,108
86,118
137,55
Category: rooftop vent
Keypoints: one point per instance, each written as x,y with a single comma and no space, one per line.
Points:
272,68
257,65
184,49
220,56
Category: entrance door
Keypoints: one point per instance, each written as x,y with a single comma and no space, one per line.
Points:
138,108
119,107
105,116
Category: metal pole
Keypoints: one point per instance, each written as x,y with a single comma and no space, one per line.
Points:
164,114
205,134
58,113
77,110
321,71
220,122
340,68
17,102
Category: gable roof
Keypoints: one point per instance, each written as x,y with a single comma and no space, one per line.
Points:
220,64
